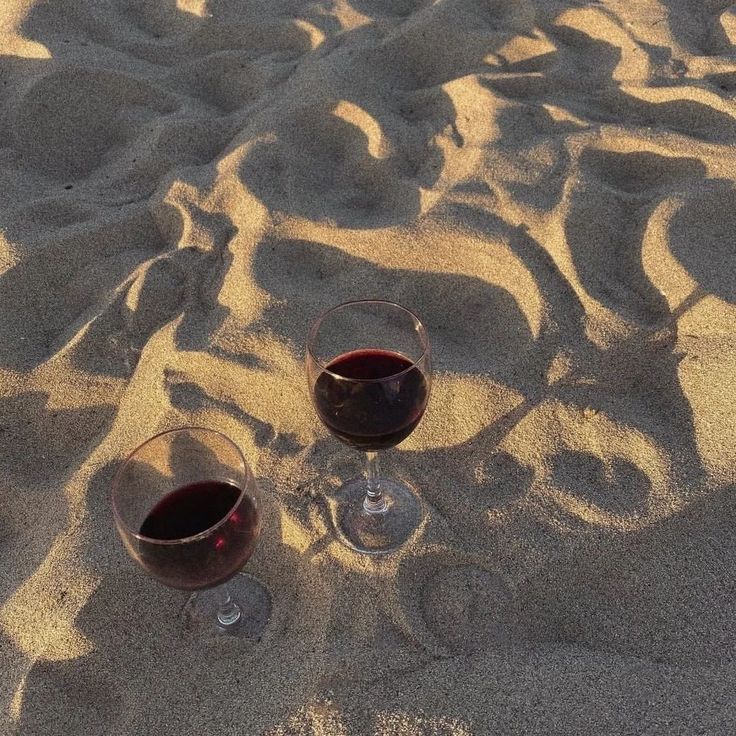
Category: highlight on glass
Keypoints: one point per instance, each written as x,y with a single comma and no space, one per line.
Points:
188,510
369,372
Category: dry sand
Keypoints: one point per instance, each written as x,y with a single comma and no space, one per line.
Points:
185,186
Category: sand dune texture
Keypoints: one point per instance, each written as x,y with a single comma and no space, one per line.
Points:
186,184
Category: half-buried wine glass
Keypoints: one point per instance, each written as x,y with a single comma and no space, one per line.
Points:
369,372
188,510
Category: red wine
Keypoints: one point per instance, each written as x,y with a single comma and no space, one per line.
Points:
364,411
187,512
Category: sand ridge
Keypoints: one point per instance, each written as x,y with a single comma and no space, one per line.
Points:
186,184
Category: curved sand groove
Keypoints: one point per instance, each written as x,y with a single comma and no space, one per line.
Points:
714,257
187,184
354,115
697,310
625,187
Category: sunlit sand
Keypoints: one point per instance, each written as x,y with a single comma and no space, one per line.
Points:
187,184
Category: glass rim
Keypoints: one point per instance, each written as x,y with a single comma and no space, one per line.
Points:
182,540
318,322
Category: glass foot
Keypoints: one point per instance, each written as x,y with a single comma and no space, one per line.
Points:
376,532
246,618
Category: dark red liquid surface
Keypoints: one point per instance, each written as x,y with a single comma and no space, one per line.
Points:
367,413
191,510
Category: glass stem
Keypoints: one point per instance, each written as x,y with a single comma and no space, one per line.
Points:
229,612
374,502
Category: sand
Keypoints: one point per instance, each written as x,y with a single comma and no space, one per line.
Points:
185,186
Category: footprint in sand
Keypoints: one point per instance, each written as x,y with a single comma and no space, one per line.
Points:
324,164
607,218
34,474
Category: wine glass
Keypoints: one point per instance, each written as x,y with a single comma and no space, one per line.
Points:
369,372
188,510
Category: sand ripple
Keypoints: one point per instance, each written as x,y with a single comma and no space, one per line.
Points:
187,184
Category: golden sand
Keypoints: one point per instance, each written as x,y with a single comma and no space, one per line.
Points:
185,186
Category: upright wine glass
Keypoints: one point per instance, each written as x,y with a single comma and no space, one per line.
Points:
188,510
369,372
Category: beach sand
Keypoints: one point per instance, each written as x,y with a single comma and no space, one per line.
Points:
186,185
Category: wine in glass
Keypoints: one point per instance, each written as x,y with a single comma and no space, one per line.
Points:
188,510
369,372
